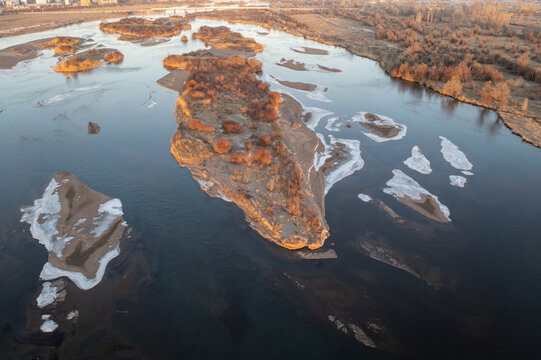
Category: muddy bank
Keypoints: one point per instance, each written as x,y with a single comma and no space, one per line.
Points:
11,56
298,85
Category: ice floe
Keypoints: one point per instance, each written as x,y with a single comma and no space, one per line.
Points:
318,94
62,96
47,296
401,185
383,122
418,161
50,272
457,180
364,197
352,163
454,156
465,172
152,104
48,325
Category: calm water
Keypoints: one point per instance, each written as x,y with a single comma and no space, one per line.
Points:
219,290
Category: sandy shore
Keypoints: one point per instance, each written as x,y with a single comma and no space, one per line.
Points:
310,51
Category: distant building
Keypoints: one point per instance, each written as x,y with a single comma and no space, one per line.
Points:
85,2
106,2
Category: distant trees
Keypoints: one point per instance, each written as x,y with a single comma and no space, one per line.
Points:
497,95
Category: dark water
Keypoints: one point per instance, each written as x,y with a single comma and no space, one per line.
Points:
218,290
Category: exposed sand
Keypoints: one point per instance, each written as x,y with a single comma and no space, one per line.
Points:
317,255
292,64
298,85
310,51
174,80
328,68
11,56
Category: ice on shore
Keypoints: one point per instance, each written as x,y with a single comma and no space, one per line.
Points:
418,162
457,180
43,217
383,121
50,272
454,156
317,115
401,185
332,125
353,162
47,296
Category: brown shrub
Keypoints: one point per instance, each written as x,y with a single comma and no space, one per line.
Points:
264,140
239,157
248,145
184,38
113,57
231,127
197,125
222,146
262,156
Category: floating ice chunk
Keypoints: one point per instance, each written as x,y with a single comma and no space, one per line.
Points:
152,104
43,217
383,122
48,325
108,212
402,185
469,173
453,155
364,197
47,296
71,315
50,272
352,163
331,124
87,88
418,161
457,180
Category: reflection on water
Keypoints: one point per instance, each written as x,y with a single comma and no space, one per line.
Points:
415,287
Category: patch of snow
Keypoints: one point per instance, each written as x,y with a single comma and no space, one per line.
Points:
364,197
457,180
353,162
418,161
71,315
47,296
401,185
384,121
79,222
318,94
50,272
454,156
109,211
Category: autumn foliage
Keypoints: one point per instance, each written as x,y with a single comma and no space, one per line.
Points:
113,57
221,38
222,146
